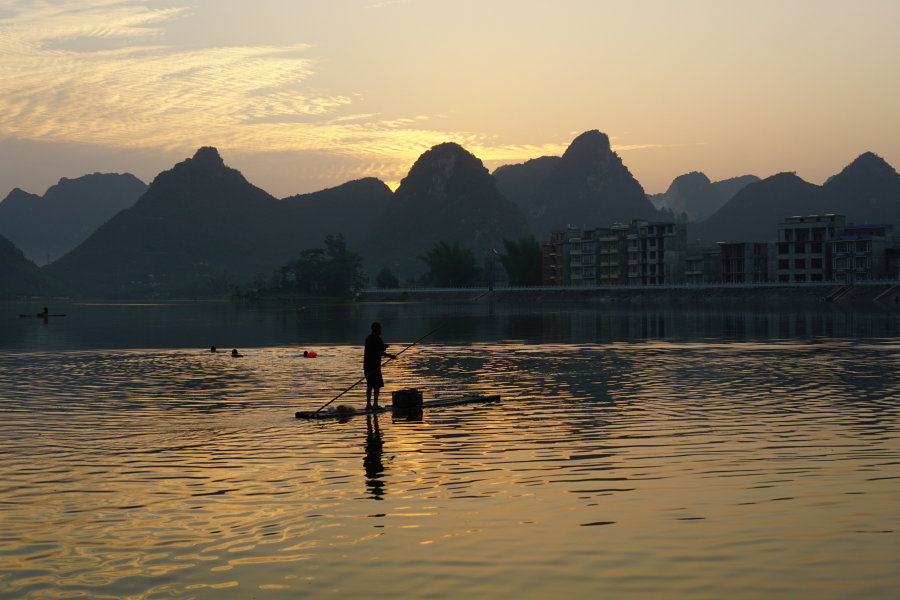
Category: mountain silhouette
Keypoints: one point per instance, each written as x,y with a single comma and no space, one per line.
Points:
589,186
866,191
353,209
695,196
200,226
520,182
21,277
447,195
67,213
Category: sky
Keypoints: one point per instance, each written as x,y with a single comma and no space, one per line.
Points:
301,95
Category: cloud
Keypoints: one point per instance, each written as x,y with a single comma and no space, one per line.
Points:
96,72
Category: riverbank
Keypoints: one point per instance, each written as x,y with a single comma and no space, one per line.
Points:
888,292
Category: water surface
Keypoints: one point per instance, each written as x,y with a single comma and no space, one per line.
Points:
637,453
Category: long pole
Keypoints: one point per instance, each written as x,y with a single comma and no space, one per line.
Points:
373,370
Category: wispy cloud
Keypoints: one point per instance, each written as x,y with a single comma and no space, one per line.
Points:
140,93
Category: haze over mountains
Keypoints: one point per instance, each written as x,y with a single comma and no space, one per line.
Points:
66,214
202,225
19,276
203,221
693,197
866,191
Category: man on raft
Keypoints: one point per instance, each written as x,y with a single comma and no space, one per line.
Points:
375,349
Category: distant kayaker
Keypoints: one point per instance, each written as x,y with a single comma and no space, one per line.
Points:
234,354
375,349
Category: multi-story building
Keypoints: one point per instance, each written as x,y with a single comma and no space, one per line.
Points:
703,264
859,252
803,250
580,259
613,255
744,262
657,252
552,253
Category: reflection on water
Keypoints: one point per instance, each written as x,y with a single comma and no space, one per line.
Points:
229,325
664,467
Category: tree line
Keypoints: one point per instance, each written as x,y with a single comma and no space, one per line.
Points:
335,270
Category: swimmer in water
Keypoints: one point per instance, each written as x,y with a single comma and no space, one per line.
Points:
213,350
234,354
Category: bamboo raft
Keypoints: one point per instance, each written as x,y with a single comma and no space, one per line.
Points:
470,399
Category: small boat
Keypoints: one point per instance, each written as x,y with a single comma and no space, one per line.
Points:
440,403
40,316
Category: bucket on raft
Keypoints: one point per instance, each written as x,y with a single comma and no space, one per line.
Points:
410,399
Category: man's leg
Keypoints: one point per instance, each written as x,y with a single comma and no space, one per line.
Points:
376,396
369,396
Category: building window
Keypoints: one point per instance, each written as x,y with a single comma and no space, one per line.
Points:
862,262
816,249
799,277
652,255
783,248
816,263
587,248
588,260
784,278
784,263
670,229
840,247
863,246
799,248
799,263
815,277
840,263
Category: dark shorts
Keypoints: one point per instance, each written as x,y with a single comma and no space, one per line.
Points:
375,379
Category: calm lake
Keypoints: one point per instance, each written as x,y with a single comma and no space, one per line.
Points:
658,452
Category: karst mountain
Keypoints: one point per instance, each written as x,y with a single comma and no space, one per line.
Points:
66,214
201,224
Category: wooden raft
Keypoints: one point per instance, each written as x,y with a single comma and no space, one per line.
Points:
469,399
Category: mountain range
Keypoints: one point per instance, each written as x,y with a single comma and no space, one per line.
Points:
589,184
201,224
693,197
21,277
67,213
447,195
866,191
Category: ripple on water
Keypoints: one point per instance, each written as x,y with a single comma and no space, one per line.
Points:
643,470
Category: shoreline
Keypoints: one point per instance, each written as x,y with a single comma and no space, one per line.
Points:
882,292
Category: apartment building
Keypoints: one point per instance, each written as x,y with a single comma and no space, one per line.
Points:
744,262
552,252
703,264
612,256
859,253
803,251
657,252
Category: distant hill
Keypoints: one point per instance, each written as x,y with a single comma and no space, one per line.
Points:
447,195
67,213
202,225
353,209
695,196
866,191
21,277
520,182
589,186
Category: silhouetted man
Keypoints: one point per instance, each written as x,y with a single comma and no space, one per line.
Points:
375,349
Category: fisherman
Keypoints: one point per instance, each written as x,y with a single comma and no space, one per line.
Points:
375,349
